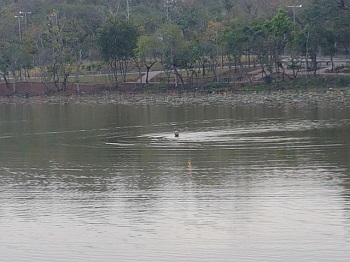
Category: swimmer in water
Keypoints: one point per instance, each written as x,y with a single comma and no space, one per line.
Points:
176,133
189,164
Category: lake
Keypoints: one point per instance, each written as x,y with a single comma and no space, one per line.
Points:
111,182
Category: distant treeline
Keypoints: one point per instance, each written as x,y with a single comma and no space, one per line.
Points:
58,38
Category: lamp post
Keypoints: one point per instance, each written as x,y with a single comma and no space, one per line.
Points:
19,17
25,17
293,8
169,4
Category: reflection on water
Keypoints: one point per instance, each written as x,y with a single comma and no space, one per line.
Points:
112,183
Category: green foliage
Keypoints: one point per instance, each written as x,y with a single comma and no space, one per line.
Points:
235,42
148,47
172,43
171,39
187,56
216,85
117,40
343,81
279,25
278,29
59,36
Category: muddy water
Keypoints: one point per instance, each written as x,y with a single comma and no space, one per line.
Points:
112,183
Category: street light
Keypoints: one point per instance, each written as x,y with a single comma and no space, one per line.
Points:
293,8
19,17
169,4
25,17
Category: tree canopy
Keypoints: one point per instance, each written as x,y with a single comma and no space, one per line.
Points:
57,36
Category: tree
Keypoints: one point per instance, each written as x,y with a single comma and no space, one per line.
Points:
8,61
172,43
187,59
278,29
315,18
148,51
235,40
191,18
56,56
209,47
117,41
80,26
332,26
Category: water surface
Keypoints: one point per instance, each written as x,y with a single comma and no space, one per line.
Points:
112,183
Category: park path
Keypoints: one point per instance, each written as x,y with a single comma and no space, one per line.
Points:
151,75
256,74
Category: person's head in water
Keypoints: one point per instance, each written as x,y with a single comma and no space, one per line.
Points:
176,133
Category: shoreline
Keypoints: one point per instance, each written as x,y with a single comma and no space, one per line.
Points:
296,96
323,88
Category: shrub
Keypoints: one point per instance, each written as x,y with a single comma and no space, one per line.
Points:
343,81
215,85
